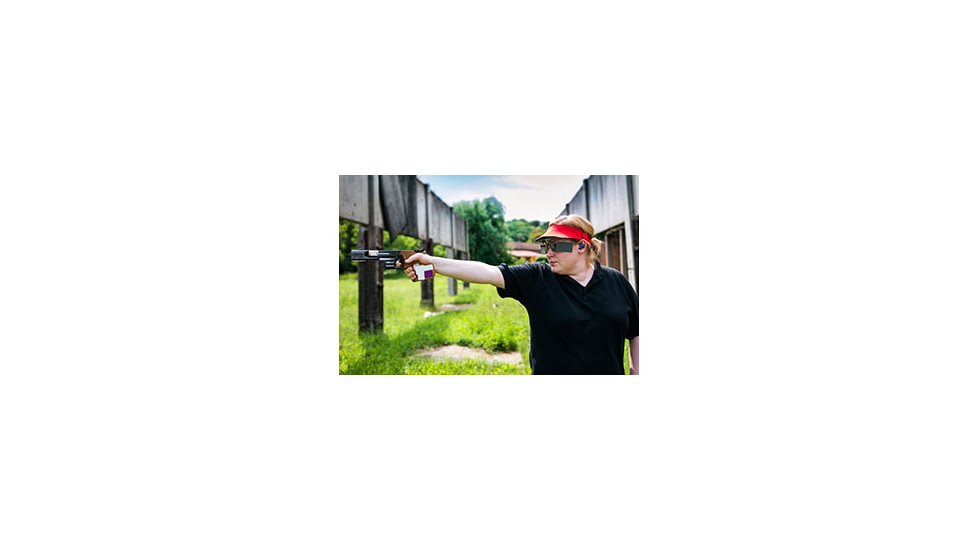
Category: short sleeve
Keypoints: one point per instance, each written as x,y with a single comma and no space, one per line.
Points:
510,290
520,280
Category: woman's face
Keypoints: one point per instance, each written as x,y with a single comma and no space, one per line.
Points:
563,263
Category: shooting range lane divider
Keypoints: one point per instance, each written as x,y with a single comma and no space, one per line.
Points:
402,205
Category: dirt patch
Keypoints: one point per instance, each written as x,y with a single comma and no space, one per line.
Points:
453,307
446,307
454,352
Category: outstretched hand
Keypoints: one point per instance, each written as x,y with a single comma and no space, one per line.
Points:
408,264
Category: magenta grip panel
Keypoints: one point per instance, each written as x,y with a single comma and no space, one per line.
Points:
424,271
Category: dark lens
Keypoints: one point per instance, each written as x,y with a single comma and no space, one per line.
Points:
543,249
563,247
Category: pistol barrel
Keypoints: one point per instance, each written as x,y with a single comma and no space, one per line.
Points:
388,257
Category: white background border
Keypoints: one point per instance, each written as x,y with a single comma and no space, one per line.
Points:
169,305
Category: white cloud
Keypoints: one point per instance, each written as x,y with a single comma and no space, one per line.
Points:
538,197
529,197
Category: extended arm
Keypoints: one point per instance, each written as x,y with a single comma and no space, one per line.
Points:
464,270
633,355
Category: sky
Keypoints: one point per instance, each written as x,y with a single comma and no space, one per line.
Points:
528,197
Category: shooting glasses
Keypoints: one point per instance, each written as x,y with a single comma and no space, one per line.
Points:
556,246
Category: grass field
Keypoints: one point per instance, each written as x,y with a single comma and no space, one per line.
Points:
491,323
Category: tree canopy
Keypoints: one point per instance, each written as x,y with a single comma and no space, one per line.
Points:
487,230
521,231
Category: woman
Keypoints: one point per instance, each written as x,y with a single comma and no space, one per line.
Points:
580,311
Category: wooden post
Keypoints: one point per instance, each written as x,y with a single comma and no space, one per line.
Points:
465,254
371,274
631,235
452,282
428,285
587,200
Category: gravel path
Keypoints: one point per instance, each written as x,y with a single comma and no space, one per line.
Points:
455,352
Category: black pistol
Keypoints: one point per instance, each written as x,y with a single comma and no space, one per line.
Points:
389,258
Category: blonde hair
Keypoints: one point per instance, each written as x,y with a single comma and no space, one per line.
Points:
580,222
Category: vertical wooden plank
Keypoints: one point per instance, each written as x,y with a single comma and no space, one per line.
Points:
428,285
425,242
371,274
613,250
631,237
452,282
587,200
371,282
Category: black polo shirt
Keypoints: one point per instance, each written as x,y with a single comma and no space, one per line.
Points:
574,329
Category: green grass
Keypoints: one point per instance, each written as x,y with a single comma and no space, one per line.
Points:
491,323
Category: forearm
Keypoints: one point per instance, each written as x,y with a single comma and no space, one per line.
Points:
633,355
466,270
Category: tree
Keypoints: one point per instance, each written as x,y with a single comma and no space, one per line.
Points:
402,242
348,241
523,231
518,230
487,230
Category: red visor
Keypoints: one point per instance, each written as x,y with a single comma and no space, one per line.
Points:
556,231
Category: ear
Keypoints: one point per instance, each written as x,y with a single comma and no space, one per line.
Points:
581,245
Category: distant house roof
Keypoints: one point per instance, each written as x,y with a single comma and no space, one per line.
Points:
524,250
526,254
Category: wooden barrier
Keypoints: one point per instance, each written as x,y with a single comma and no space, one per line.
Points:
403,205
610,203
